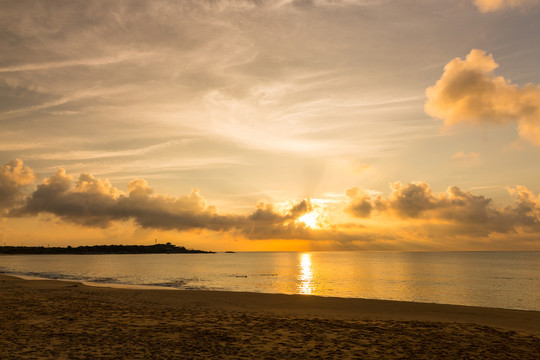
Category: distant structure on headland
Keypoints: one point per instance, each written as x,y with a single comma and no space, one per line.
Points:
167,248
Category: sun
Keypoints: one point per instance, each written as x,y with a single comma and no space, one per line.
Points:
311,219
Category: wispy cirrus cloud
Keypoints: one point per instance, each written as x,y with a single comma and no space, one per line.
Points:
106,60
61,99
461,155
224,5
191,65
486,6
87,155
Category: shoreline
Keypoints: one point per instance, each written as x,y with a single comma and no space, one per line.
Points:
171,288
64,319
303,305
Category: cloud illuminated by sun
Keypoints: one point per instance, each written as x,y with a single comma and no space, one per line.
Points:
312,219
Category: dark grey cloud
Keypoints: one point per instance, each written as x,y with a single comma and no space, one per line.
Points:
360,204
267,223
92,202
456,211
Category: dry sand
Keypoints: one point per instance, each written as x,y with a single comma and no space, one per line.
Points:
45,319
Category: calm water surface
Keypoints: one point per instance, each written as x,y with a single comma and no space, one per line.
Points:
492,279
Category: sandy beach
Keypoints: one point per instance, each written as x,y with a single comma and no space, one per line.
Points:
46,319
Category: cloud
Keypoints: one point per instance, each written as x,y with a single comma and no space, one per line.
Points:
409,215
224,5
411,200
86,155
358,167
14,178
456,211
126,56
464,156
268,223
360,203
240,74
93,202
417,200
72,97
486,6
468,92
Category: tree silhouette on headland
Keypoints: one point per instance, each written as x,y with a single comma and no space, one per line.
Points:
167,248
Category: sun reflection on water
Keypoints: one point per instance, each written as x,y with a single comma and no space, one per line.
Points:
305,275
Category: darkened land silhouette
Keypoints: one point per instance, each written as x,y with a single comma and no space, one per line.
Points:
102,249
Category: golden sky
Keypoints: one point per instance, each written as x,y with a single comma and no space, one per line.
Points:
271,125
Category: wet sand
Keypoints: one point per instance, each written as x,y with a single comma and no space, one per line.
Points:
46,319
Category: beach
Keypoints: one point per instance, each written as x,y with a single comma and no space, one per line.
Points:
49,319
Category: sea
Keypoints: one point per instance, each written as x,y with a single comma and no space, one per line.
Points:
489,279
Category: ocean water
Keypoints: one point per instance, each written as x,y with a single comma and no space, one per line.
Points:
490,279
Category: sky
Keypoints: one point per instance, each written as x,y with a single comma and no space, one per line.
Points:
258,125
